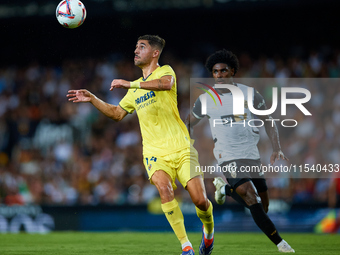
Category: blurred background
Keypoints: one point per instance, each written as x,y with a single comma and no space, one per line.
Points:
65,166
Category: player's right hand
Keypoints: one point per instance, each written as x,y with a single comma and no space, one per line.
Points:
276,155
80,95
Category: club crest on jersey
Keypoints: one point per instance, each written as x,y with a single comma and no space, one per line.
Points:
149,167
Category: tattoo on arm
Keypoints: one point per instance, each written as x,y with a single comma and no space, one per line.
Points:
160,84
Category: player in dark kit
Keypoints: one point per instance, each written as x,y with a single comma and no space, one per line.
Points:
236,144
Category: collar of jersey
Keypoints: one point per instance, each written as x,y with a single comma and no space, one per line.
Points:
146,77
222,94
143,80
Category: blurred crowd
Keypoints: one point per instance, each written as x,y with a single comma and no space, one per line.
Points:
56,152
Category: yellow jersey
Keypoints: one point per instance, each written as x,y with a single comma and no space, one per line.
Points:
163,131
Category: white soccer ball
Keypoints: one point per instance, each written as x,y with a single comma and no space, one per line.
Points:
71,13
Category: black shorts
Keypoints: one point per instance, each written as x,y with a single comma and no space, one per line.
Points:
240,171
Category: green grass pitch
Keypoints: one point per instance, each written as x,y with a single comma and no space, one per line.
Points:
121,243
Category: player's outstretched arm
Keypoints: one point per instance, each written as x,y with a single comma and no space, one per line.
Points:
190,122
164,83
82,95
271,128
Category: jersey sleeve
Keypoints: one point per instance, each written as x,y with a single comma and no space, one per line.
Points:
197,109
259,103
127,103
166,70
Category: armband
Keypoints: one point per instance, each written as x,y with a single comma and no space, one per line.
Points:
135,84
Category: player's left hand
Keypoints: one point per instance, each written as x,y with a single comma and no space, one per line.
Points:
276,155
119,83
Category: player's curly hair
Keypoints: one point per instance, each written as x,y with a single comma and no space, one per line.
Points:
154,40
223,56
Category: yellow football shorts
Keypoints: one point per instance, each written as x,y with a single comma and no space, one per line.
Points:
182,165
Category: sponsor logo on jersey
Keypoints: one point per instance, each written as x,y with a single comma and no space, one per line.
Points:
145,100
145,97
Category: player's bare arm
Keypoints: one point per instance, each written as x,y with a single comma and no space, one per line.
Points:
164,83
82,96
273,134
190,122
194,116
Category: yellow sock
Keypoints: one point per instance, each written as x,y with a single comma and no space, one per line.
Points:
207,219
175,217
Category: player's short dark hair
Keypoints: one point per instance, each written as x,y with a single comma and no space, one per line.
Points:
154,40
222,56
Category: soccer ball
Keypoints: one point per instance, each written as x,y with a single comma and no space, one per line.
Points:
71,13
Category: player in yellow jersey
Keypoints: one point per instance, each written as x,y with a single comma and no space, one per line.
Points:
167,150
